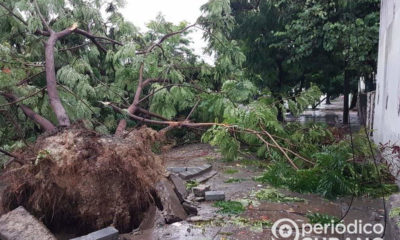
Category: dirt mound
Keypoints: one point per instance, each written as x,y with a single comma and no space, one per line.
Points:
80,180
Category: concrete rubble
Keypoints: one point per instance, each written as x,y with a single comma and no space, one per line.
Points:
200,190
215,196
109,233
173,210
19,224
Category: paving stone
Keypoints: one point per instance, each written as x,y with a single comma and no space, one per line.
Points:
188,174
19,224
206,167
192,172
205,177
180,187
109,233
177,169
200,190
193,169
214,196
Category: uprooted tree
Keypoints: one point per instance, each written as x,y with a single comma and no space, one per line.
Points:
63,60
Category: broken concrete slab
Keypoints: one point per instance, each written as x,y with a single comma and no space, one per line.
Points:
19,224
189,208
109,233
192,172
173,210
180,187
177,169
215,196
206,177
200,190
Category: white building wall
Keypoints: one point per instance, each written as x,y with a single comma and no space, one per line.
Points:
387,101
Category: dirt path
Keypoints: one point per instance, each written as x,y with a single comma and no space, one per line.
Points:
236,180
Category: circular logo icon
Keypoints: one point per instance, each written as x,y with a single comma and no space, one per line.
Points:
285,228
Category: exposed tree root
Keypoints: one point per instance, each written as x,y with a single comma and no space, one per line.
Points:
83,181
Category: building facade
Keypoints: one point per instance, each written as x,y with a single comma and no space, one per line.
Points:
386,117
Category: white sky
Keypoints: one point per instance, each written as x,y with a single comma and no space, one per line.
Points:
140,12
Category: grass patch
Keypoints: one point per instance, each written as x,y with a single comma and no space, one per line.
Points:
395,212
234,180
229,207
231,171
191,184
272,195
321,218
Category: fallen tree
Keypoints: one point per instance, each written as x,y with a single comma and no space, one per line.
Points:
127,80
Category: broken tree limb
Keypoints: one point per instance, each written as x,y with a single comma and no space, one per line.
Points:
151,114
141,84
172,124
192,111
45,124
132,108
280,148
23,98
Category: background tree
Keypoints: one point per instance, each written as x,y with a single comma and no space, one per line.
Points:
342,36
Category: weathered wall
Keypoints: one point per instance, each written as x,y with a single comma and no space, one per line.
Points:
387,101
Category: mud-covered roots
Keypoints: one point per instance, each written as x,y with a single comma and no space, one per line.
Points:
82,181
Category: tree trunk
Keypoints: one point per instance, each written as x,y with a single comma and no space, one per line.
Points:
280,117
54,98
328,99
133,107
346,98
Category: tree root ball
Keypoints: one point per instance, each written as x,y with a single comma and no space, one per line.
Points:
82,181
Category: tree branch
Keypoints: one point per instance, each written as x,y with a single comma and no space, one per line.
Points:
45,124
164,38
21,99
151,114
13,14
28,79
41,17
192,111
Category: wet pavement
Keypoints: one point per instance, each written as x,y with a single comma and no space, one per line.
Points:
256,221
331,114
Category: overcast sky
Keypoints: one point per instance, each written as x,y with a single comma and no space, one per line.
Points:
140,12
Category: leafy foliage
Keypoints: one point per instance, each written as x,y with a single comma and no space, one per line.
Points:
272,195
334,174
321,218
229,207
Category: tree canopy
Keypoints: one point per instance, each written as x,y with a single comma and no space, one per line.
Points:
67,60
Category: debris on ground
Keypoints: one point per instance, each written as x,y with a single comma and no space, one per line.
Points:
21,225
200,190
214,195
173,210
180,187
